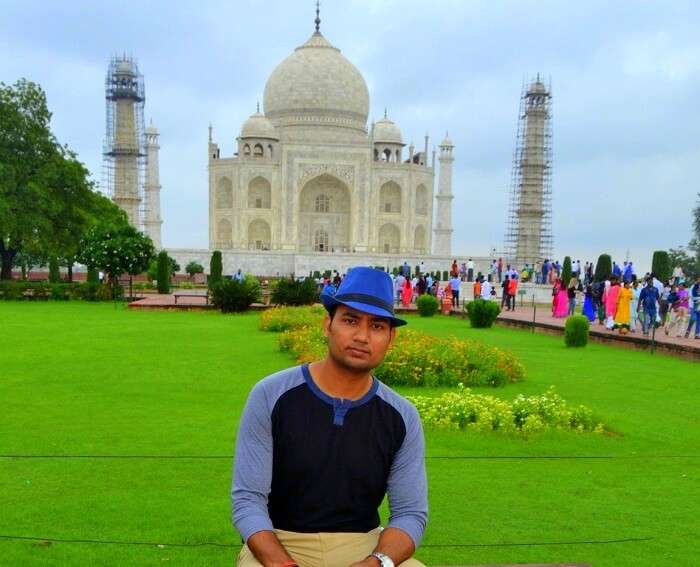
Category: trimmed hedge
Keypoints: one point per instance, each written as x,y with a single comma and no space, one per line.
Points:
216,268
163,272
427,305
233,296
576,331
661,265
603,268
42,291
482,313
289,291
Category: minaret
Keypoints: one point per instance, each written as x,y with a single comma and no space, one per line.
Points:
443,219
124,152
152,221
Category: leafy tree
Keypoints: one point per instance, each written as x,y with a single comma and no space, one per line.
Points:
54,271
116,251
216,268
680,257
163,263
566,270
193,268
661,265
603,268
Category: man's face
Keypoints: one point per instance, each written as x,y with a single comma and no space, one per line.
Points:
357,341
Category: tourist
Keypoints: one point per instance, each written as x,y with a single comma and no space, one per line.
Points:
588,305
648,301
667,294
561,299
500,269
399,284
576,269
634,306
407,293
571,296
504,293
598,290
455,283
678,275
406,270
512,292
463,271
627,274
477,288
446,298
545,271
622,310
694,309
486,290
679,310
537,270
617,271
239,276
470,270
454,269
309,475
422,267
610,300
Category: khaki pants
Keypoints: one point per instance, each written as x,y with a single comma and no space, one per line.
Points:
323,549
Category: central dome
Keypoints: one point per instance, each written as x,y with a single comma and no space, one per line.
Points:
317,85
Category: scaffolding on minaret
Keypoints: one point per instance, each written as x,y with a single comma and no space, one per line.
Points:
528,235
124,150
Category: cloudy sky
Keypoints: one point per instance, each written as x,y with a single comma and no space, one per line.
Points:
625,81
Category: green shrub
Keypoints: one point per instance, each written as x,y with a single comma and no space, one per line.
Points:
603,268
576,331
186,285
54,271
419,359
87,291
163,273
445,275
482,313
93,276
280,319
232,296
10,290
193,268
566,270
427,305
661,265
60,292
289,291
216,268
464,410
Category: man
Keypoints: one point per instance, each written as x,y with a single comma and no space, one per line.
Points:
504,293
455,282
470,270
319,446
648,300
694,309
238,276
399,284
486,291
545,270
500,270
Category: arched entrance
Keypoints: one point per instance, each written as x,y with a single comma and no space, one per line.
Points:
324,216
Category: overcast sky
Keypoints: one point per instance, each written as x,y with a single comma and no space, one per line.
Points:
625,82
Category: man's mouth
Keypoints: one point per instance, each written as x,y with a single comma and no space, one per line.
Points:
358,352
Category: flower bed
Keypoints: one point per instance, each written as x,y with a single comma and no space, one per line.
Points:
525,414
280,319
419,359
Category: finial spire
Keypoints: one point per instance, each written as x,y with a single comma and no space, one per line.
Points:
317,21
385,113
258,108
210,129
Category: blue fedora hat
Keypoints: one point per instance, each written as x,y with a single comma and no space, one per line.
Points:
367,290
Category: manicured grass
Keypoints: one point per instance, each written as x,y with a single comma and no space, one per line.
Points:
82,379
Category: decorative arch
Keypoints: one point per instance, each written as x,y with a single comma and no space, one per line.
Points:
324,215
270,151
421,200
386,155
389,239
259,194
246,150
259,235
224,193
224,233
390,198
258,150
419,240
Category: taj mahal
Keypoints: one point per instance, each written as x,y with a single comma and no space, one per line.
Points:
311,187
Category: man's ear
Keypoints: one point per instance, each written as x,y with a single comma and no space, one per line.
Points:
392,336
327,325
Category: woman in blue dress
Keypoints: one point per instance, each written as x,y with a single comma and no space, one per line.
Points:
588,309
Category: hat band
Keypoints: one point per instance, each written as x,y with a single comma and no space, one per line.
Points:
365,298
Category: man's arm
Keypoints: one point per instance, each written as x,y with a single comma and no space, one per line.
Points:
252,480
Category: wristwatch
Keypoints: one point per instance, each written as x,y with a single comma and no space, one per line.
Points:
384,560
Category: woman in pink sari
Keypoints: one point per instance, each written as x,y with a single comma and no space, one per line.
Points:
561,301
407,293
610,300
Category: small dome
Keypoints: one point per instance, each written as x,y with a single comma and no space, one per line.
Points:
316,84
447,141
386,132
538,87
151,129
257,126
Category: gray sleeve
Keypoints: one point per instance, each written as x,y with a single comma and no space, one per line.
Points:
252,475
407,486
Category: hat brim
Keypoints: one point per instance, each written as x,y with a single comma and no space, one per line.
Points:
330,301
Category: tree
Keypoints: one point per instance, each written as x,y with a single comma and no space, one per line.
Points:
661,265
163,262
603,268
54,271
680,257
216,268
116,251
694,244
193,268
566,270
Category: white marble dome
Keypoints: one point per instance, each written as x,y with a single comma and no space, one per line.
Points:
258,126
386,132
317,85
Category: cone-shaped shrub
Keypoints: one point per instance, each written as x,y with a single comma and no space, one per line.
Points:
216,268
163,273
661,265
54,271
603,268
576,331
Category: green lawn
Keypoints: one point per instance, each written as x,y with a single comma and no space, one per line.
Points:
82,379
